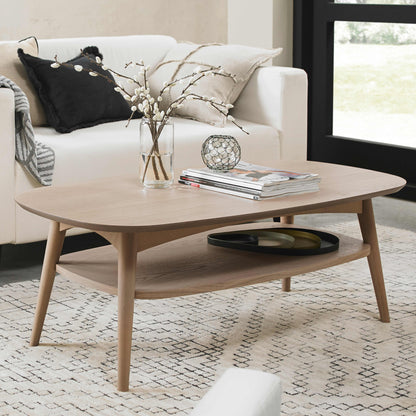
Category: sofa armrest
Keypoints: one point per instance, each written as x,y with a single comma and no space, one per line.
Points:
7,152
277,96
242,392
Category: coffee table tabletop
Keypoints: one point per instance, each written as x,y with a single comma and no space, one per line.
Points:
119,204
168,228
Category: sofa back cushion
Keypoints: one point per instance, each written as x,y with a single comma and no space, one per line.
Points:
117,50
12,68
183,60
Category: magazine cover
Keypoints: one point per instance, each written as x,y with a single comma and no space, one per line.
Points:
249,173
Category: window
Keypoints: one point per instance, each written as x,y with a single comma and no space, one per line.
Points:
374,90
360,57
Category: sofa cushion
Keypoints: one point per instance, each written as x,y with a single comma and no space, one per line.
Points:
117,51
12,68
74,100
181,61
112,150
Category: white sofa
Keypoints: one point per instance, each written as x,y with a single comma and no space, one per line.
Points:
272,107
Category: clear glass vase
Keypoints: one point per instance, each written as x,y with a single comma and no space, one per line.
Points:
156,153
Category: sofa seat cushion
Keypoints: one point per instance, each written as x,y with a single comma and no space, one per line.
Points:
111,149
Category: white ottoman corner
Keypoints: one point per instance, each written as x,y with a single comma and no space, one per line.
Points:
242,392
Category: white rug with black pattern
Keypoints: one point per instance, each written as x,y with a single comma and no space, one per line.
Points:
323,339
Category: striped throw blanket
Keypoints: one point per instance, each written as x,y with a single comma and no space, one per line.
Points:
37,158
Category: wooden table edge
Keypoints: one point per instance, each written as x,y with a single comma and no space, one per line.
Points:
304,209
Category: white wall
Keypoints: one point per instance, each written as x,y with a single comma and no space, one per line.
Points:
262,23
194,20
251,22
283,30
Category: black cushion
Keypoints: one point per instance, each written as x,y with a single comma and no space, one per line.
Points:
71,99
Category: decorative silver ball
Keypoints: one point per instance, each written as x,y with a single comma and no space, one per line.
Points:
221,152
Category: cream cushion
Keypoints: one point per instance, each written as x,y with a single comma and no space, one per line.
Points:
12,68
182,60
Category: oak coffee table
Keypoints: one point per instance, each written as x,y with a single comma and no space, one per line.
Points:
169,227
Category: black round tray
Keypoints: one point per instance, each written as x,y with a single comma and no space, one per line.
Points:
248,240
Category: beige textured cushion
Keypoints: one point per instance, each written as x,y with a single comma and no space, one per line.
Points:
12,68
238,60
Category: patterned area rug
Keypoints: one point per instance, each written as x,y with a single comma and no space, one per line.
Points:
323,339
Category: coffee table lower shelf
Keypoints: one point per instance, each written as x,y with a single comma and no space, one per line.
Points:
189,266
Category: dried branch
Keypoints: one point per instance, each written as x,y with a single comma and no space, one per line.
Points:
142,100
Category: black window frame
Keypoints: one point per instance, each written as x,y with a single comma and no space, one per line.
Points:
313,50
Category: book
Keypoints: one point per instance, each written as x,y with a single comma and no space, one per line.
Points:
231,187
240,191
253,176
310,187
255,180
217,189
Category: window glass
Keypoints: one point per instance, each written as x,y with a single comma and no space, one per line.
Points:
375,82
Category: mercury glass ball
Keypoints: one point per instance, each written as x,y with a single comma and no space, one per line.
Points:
221,152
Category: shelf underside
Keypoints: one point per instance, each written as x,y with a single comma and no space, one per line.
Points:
190,265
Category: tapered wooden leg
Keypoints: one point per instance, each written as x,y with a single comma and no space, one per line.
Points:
286,282
127,258
369,233
52,253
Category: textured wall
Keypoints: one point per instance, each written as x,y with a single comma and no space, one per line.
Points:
193,20
262,23
283,31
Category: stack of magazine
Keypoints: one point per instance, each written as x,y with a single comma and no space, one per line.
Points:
252,181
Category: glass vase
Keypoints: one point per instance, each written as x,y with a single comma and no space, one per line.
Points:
156,153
